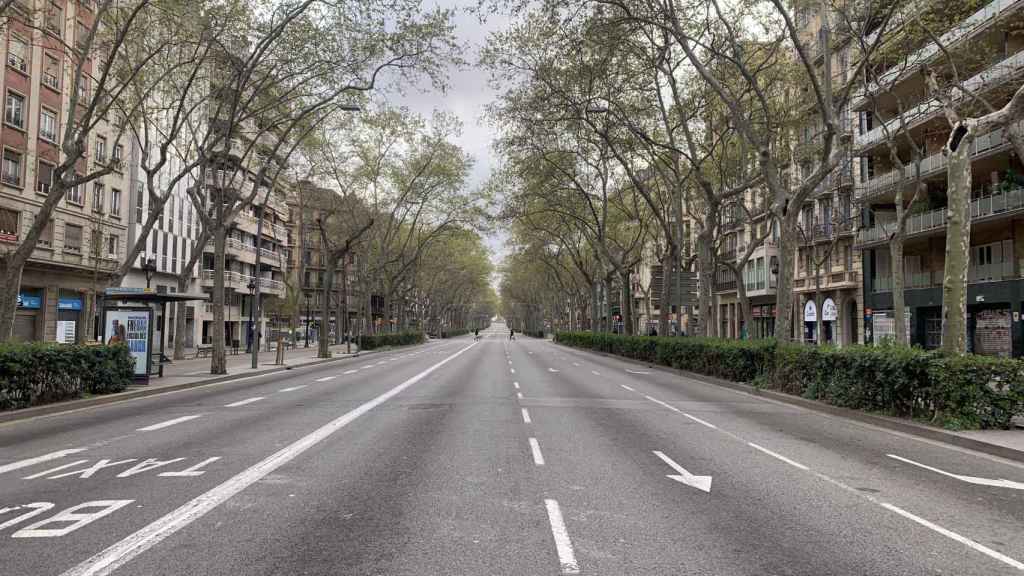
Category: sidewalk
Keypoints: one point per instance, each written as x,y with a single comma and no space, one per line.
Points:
190,373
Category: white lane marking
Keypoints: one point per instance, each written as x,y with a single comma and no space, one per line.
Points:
519,395
538,458
526,416
699,421
684,476
575,363
168,423
528,352
636,371
191,471
563,545
1000,483
950,534
595,372
552,370
118,554
351,371
509,362
326,378
516,385
665,404
778,456
52,470
627,388
512,370
293,388
71,519
39,459
244,402
92,470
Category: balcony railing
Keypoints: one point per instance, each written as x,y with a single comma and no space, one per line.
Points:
241,281
1001,203
995,272
1009,69
934,164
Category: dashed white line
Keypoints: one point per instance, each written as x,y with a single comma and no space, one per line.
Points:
778,456
563,545
665,404
538,458
39,459
292,389
552,370
326,378
953,535
636,371
516,385
526,416
627,388
519,395
699,421
168,423
244,402
595,372
152,534
512,370
351,371
575,363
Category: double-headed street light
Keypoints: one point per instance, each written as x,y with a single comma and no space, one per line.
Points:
149,267
306,294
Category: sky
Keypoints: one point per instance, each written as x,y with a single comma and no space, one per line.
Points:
467,95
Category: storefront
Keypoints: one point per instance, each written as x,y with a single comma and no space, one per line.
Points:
762,321
28,317
989,331
829,316
810,322
69,316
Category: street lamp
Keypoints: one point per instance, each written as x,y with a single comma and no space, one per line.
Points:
252,301
306,294
149,267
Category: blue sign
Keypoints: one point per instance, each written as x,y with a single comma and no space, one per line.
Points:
69,304
29,302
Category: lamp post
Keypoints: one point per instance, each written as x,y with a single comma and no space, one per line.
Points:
252,302
306,294
149,267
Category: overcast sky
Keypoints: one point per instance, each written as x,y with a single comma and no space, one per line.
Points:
467,95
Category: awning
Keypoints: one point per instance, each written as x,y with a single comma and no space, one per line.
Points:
149,295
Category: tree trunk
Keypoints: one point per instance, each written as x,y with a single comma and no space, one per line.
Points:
707,280
595,306
784,298
744,307
218,360
12,267
667,261
898,300
958,243
627,304
323,346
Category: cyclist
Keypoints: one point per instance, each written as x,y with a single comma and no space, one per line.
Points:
476,334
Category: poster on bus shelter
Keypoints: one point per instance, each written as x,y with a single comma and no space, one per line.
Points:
130,327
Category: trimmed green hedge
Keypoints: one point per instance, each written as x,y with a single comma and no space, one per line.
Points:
373,341
955,391
453,333
38,372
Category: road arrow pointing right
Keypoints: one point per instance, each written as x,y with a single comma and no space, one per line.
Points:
683,476
998,483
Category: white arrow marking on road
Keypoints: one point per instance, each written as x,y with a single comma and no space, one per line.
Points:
552,370
39,459
1000,483
698,482
636,371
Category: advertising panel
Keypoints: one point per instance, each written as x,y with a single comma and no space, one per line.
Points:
130,326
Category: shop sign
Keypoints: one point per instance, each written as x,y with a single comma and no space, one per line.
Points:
828,311
810,312
29,302
69,304
756,312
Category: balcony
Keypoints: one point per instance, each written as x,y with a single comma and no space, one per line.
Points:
240,282
1007,70
17,62
995,205
995,272
983,145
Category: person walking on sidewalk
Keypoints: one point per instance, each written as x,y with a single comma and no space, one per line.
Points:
511,334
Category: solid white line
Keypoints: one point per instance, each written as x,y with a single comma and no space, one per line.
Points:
293,388
516,385
39,459
778,456
326,378
351,371
169,423
636,371
665,404
538,458
526,416
950,534
566,557
627,388
117,555
699,421
244,402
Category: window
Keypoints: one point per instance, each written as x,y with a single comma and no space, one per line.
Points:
153,235
76,195
848,258
55,19
139,203
115,202
46,239
17,50
101,150
14,112
83,91
44,178
112,242
8,225
51,72
163,255
12,168
174,255
118,152
72,238
82,36
48,125
98,194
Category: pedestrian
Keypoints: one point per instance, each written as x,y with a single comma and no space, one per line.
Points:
511,334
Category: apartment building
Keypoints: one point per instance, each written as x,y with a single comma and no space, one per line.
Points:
989,48
86,236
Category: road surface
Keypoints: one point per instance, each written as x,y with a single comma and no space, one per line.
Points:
492,457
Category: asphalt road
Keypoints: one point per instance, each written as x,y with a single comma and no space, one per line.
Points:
492,457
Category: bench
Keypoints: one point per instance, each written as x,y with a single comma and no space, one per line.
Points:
203,352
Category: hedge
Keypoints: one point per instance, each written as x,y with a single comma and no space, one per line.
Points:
453,333
38,373
373,341
962,392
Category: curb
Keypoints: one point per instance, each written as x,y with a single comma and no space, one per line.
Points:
905,426
74,405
